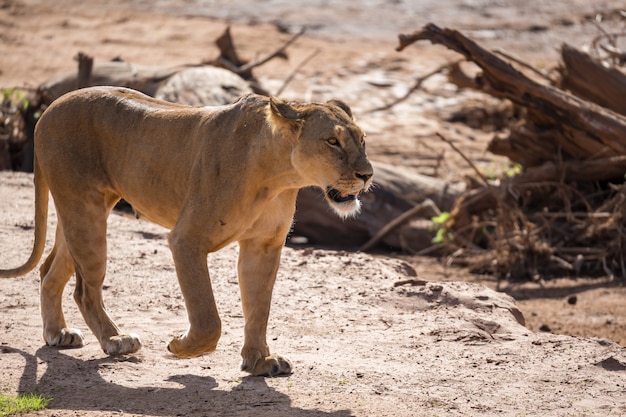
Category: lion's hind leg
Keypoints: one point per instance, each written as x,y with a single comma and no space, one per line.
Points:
55,273
85,237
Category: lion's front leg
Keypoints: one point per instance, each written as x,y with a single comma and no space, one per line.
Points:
193,276
258,265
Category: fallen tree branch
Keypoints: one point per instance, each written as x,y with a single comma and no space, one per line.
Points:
412,282
296,70
561,214
230,60
418,84
501,80
427,204
280,52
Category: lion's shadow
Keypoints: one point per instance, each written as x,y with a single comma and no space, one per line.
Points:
67,379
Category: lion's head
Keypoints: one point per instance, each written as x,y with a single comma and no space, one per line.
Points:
329,149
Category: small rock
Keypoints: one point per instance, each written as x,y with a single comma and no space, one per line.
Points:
298,240
545,328
612,364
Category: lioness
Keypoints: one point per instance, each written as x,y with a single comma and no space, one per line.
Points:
211,175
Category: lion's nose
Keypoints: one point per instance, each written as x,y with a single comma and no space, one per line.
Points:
364,177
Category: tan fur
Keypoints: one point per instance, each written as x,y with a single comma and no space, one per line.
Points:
212,175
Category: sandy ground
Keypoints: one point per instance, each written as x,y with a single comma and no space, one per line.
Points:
361,346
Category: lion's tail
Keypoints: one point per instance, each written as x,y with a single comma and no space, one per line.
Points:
41,224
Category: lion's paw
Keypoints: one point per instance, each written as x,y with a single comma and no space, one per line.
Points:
187,347
65,338
272,365
122,344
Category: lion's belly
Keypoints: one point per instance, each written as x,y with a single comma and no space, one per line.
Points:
156,214
153,196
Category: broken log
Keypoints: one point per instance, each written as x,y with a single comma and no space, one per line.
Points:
230,60
585,124
564,213
394,193
591,80
143,78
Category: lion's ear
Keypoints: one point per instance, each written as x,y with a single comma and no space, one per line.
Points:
283,116
283,109
343,106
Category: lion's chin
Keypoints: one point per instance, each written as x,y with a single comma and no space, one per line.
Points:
345,205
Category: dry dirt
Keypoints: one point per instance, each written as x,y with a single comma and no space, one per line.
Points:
362,347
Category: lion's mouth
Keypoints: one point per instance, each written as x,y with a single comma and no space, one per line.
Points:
339,197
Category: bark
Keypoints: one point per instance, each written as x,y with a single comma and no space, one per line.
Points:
575,128
564,213
592,81
395,192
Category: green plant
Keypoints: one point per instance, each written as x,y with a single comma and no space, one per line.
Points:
10,405
439,222
514,169
16,97
496,171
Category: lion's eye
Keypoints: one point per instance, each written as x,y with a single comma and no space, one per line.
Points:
332,141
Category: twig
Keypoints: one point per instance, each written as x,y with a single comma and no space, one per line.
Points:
500,225
615,53
401,219
577,214
605,34
484,179
607,270
413,282
279,52
519,61
611,38
296,70
416,86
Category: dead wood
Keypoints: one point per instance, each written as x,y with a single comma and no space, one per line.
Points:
278,53
295,71
146,79
412,282
591,80
562,213
427,206
548,104
230,60
85,66
479,200
394,193
150,80
228,54
219,82
416,86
